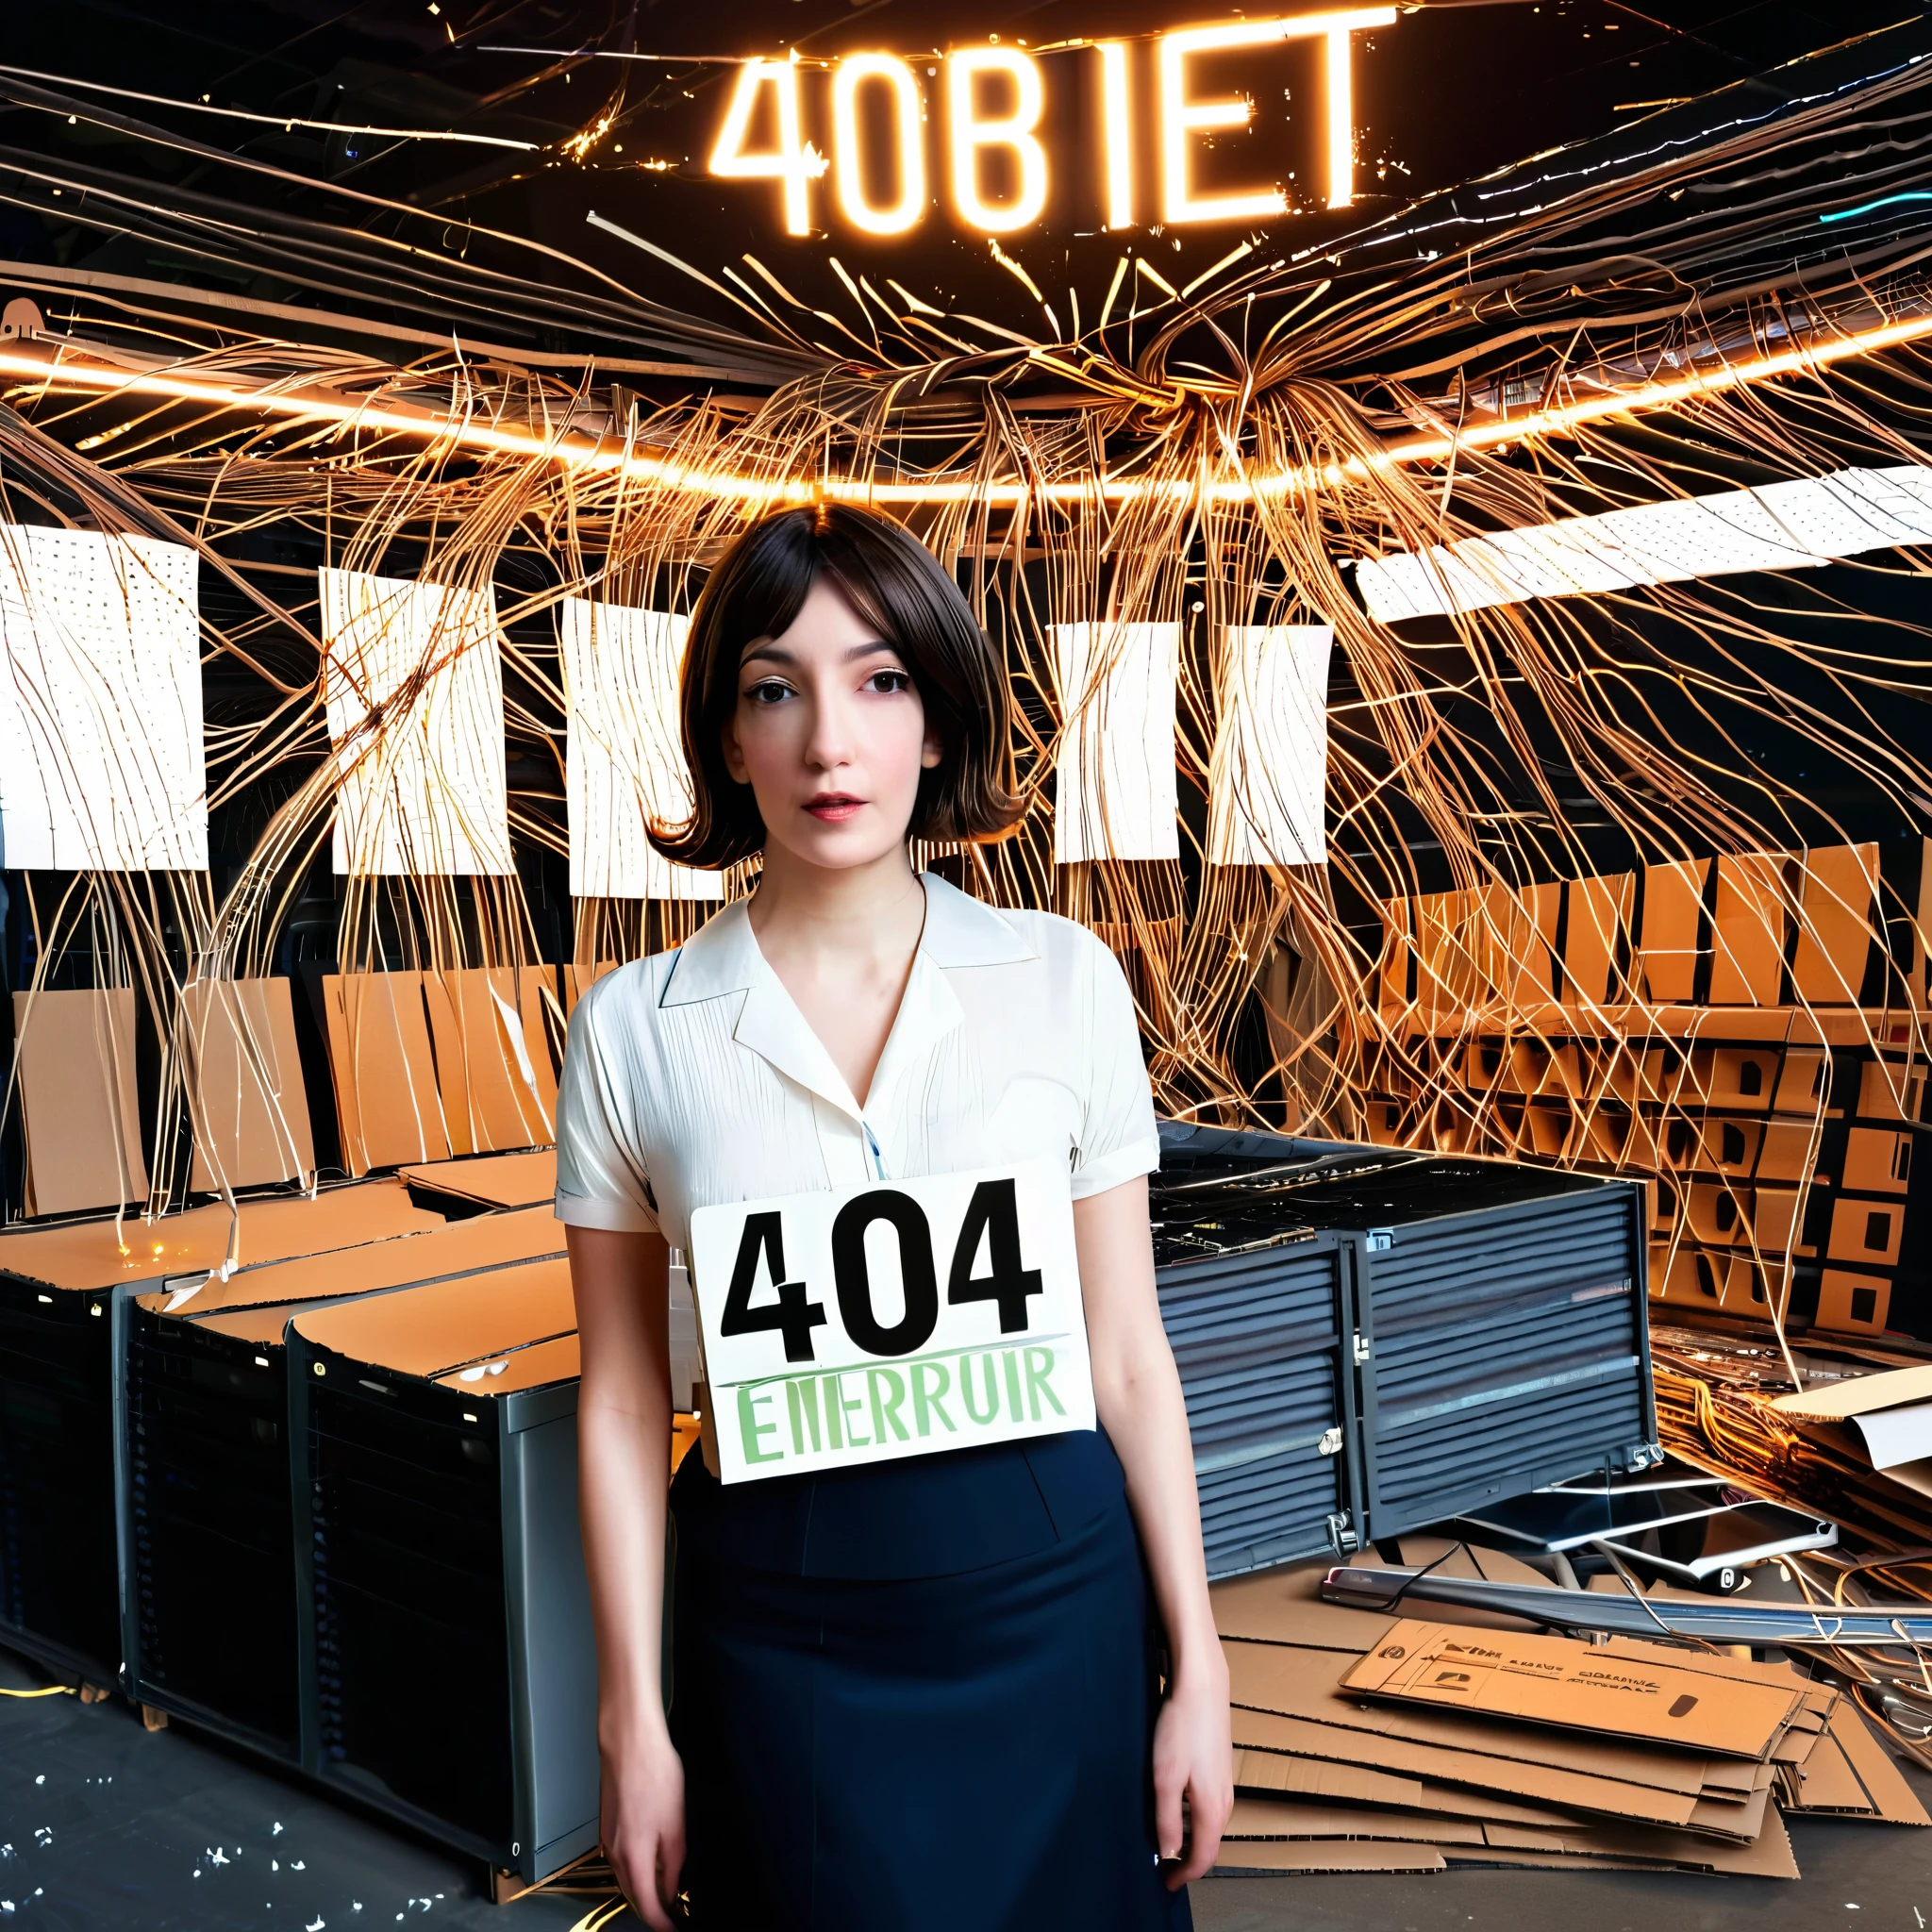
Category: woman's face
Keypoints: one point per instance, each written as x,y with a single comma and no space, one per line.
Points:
830,735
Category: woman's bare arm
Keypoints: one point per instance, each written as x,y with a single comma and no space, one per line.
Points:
1138,1393
623,1456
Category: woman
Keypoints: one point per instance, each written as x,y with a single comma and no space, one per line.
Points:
921,1693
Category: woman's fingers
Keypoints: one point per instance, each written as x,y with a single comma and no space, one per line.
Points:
1170,1820
670,1866
640,1875
1205,1817
1211,1798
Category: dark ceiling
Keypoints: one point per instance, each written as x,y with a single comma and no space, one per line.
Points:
1448,92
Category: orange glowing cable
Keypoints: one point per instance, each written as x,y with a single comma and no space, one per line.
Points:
57,373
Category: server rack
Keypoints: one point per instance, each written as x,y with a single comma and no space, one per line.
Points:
59,1573
1504,1337
449,1670
1371,1340
203,1472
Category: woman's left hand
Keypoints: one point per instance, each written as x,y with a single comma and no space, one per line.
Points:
1193,1772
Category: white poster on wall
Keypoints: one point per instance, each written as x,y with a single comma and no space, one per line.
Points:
1118,795
101,754
625,767
1268,780
413,683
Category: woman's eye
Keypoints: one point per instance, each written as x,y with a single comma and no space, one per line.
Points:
769,691
888,681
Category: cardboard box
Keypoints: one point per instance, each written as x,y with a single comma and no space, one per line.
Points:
490,1180
77,1103
1558,1681
1260,1821
247,1098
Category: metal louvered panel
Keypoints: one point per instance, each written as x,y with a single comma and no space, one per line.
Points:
1258,1340
1506,1349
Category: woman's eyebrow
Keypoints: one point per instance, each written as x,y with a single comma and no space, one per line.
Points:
775,653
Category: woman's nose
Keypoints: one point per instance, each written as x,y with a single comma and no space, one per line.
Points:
830,744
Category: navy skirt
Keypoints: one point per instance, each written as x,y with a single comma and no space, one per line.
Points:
919,1697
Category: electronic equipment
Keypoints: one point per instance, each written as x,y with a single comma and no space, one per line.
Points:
448,1669
208,1585
1371,1340
60,1586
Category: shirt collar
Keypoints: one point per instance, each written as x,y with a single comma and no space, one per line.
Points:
722,958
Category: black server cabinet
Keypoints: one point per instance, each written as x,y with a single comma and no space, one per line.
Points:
448,1657
60,1560
207,1542
1371,1340
1503,1338
208,1547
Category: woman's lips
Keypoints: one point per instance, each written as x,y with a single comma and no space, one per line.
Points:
833,808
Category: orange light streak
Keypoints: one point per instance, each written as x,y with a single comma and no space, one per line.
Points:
56,373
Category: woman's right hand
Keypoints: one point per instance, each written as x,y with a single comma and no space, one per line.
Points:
643,1824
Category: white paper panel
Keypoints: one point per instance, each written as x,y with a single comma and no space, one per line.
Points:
1118,794
625,761
1897,1434
426,792
1268,781
1789,525
101,762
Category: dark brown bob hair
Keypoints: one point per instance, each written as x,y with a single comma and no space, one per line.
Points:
896,584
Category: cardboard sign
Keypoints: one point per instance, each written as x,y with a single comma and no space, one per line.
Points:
1558,1681
897,1319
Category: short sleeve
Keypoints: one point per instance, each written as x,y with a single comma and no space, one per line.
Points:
1118,1138
601,1180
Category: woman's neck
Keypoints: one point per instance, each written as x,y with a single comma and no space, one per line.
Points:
841,944
872,911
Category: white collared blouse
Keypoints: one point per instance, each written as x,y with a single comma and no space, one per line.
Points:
691,1077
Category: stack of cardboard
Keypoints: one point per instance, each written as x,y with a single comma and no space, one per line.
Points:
1370,1742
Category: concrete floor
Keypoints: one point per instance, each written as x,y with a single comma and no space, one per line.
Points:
104,1828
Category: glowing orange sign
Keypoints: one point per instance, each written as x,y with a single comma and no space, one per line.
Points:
992,104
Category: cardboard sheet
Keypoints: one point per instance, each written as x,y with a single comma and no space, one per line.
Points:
557,1359
383,1070
1271,1773
499,1180
1315,1855
1277,1820
444,1327
1283,1606
1457,1858
1511,1778
77,1100
1306,1684
247,1098
1607,1848
492,1057
1446,1558
1826,1782
1279,1607
86,1257
1263,1817
1559,1681
1893,1798
1859,1394
439,1250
